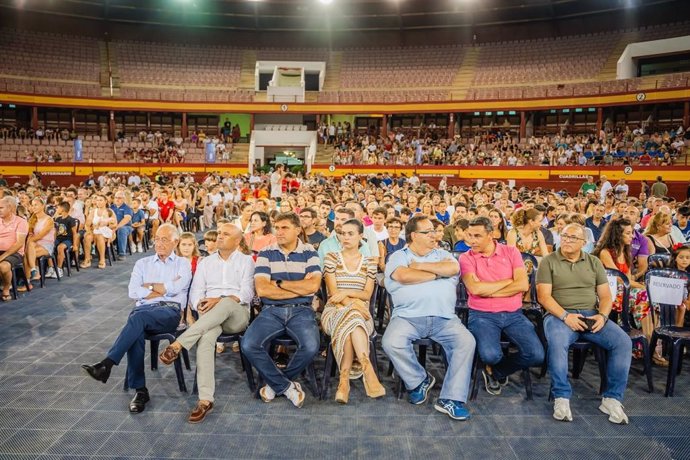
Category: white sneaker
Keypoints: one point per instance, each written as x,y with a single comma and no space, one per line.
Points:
614,409
140,247
133,248
59,270
561,410
267,394
295,394
50,273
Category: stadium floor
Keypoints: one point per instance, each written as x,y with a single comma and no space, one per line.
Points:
50,410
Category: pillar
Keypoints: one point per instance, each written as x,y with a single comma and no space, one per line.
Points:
73,126
523,125
111,126
34,118
451,125
251,125
686,114
384,126
185,129
600,119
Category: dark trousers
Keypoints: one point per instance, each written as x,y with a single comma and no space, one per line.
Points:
155,318
298,323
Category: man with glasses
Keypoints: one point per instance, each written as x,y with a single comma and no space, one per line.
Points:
422,281
159,284
307,218
124,223
573,288
496,280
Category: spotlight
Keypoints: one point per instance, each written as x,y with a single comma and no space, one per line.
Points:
326,2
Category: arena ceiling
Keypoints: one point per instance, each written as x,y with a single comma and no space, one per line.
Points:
342,16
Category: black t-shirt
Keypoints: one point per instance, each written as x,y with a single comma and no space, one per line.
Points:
316,238
63,227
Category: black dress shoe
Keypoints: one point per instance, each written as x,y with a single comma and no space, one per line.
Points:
138,403
98,371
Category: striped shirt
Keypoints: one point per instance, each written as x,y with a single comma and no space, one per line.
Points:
274,264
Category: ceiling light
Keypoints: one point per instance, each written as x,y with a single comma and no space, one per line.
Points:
326,2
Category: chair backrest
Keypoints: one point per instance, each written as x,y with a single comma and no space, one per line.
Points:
667,288
616,279
659,260
528,259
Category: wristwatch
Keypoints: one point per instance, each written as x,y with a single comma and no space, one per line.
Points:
564,316
279,283
150,287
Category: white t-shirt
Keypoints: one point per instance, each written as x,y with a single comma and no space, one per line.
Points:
152,206
276,186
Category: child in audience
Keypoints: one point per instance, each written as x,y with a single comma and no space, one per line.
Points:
189,249
460,226
680,260
138,226
66,234
210,241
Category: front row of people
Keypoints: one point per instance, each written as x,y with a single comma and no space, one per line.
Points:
421,280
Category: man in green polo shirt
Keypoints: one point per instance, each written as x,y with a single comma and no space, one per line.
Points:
569,281
588,186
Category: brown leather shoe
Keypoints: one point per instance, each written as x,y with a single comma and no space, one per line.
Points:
199,413
169,355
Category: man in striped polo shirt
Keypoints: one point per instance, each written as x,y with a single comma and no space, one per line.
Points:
287,276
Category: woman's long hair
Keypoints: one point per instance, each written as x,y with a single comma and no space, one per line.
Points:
612,240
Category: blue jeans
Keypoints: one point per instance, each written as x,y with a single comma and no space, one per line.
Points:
487,328
611,338
155,318
297,322
122,237
457,342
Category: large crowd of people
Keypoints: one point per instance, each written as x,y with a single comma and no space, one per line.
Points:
429,145
268,255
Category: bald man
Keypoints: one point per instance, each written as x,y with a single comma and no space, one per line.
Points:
221,291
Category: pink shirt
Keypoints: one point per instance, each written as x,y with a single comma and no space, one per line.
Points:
498,266
8,233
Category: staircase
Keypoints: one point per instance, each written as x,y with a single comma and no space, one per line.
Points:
240,153
324,154
465,75
248,70
104,77
610,69
333,66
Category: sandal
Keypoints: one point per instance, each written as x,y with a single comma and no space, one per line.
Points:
659,360
220,347
6,297
25,287
85,264
101,265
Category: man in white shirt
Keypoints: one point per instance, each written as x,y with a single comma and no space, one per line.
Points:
605,188
147,204
134,179
221,291
277,181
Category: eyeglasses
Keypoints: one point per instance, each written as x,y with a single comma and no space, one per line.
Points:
566,237
426,232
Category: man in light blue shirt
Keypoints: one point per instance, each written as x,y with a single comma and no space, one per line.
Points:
332,244
422,281
159,284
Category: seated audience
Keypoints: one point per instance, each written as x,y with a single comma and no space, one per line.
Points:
496,280
13,232
100,228
159,285
221,291
573,288
346,319
286,291
66,233
422,280
39,242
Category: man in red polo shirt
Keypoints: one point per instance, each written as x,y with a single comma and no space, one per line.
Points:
166,207
496,279
13,231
